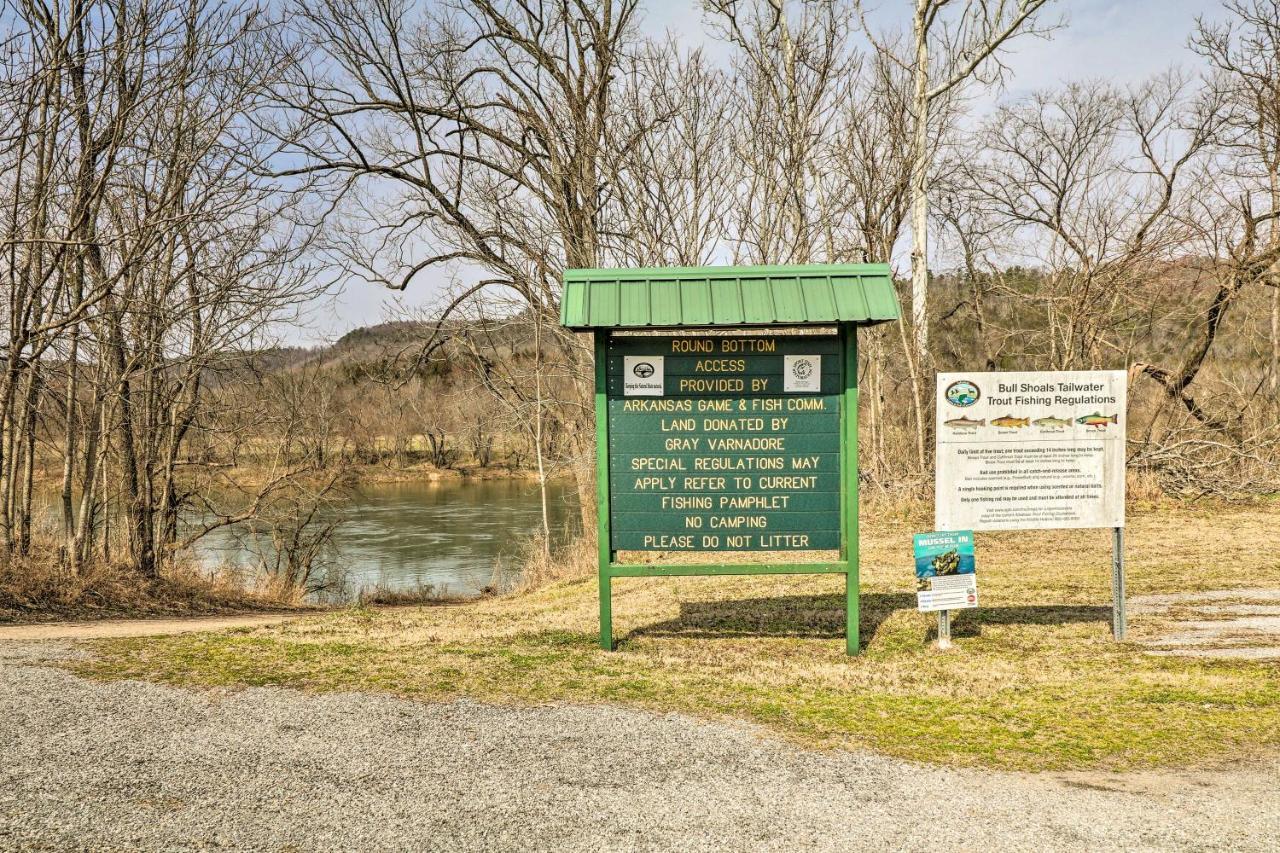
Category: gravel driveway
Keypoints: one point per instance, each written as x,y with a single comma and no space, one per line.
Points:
131,766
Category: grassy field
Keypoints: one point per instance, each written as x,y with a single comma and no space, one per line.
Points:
1034,681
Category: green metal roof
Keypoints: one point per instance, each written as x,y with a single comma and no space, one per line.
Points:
675,297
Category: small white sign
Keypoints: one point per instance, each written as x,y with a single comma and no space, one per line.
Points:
949,592
1030,450
801,373
642,376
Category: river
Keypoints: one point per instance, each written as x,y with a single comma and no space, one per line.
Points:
455,538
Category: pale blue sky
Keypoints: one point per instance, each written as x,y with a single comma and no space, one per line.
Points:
1120,40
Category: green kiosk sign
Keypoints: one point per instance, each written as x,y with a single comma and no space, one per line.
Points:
725,459
726,416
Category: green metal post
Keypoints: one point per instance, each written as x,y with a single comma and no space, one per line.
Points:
602,491
849,334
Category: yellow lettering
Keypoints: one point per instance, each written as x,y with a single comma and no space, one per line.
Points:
720,365
656,463
710,386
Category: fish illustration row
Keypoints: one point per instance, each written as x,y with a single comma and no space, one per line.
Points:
1096,421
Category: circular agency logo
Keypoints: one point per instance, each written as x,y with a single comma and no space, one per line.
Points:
962,393
642,369
802,368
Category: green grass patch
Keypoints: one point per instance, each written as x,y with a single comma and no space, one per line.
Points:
1033,683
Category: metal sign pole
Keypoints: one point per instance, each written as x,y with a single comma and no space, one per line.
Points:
1117,584
944,629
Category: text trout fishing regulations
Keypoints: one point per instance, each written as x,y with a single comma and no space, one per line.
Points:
1052,394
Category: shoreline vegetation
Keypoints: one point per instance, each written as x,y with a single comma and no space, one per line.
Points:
36,588
1034,681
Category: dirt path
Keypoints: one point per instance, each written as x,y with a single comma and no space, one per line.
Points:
107,628
1227,624
137,766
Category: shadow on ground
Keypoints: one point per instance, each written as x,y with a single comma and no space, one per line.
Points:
822,617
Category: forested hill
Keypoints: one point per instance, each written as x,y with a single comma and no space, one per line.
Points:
402,340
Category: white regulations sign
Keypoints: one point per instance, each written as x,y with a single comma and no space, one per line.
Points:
1026,451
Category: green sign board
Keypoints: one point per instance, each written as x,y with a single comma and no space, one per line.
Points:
735,455
726,403
728,443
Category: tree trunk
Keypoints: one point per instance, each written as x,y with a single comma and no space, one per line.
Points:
139,538
917,406
919,191
69,441
537,431
1274,180
7,447
1275,340
29,465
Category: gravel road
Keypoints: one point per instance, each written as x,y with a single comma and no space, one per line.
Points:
131,766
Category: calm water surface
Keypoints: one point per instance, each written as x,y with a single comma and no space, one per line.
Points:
456,537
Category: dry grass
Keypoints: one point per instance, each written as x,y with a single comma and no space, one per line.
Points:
541,566
1034,681
422,594
38,588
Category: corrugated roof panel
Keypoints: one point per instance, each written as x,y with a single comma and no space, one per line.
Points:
728,296
604,307
726,301
757,301
665,308
695,302
882,300
819,302
633,298
788,304
573,303
851,301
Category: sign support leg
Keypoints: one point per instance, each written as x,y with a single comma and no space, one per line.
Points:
944,629
851,638
603,533
849,551
1118,625
606,611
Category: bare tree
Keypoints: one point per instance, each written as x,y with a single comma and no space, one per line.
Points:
487,126
792,76
952,43
519,387
1058,169
872,156
674,184
143,248
437,417
1245,52
1151,225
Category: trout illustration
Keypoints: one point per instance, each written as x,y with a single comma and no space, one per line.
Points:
1051,421
1097,421
1011,421
964,422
